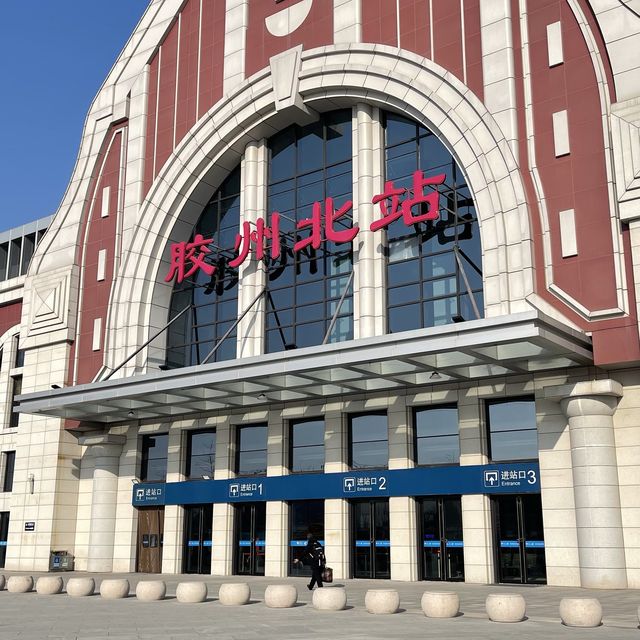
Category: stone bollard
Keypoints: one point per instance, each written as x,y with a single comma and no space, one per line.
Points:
20,584
280,596
192,592
151,590
382,601
81,587
2,582
114,589
581,612
505,607
330,599
440,604
234,593
49,585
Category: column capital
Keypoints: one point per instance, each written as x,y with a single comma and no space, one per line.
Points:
104,444
588,388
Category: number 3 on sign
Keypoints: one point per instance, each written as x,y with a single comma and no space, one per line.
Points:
382,483
531,477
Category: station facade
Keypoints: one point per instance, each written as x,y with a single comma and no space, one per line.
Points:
367,270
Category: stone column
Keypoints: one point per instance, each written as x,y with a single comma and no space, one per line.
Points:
277,540
253,205
106,450
369,277
477,530
589,407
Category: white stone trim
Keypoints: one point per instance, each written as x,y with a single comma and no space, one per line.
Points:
498,66
568,238
97,334
561,143
555,51
235,43
347,21
102,263
330,76
106,194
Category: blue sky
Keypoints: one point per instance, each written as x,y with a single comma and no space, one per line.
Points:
54,55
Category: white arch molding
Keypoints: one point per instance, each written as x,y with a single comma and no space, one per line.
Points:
330,77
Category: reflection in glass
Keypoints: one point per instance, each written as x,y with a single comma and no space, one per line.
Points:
306,165
425,254
369,441
252,450
437,440
513,433
154,458
307,446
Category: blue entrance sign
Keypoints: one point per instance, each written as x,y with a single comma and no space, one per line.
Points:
424,481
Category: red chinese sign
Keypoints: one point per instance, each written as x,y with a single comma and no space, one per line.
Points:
418,204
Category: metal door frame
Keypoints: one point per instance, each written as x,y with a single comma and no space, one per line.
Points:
371,502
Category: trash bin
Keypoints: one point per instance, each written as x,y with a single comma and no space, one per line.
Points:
60,561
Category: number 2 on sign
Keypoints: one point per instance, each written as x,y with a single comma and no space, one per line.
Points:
382,483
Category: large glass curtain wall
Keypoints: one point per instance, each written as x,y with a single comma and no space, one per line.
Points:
307,165
213,300
434,269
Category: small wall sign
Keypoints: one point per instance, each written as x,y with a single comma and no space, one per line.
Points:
29,526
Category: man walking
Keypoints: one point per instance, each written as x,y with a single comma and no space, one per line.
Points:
314,558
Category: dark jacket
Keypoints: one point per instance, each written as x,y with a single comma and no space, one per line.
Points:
313,555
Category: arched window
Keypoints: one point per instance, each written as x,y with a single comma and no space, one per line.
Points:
213,300
306,165
434,268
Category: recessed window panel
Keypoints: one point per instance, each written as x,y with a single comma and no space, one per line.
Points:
201,448
437,435
307,446
154,458
512,429
251,450
369,441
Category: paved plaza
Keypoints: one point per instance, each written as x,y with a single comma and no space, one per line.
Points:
31,616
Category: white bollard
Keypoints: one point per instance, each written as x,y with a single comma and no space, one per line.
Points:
505,607
440,604
49,585
151,590
114,589
81,587
280,596
581,612
20,584
234,593
192,592
330,599
382,601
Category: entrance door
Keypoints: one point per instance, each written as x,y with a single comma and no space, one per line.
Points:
371,543
4,535
150,532
305,516
198,532
520,539
442,546
250,538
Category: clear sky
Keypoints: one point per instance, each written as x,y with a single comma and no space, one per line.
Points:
54,55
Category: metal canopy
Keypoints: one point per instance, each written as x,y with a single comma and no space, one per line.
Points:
509,345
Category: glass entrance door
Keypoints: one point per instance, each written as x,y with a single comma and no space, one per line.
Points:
305,516
250,538
371,539
442,545
520,539
198,532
